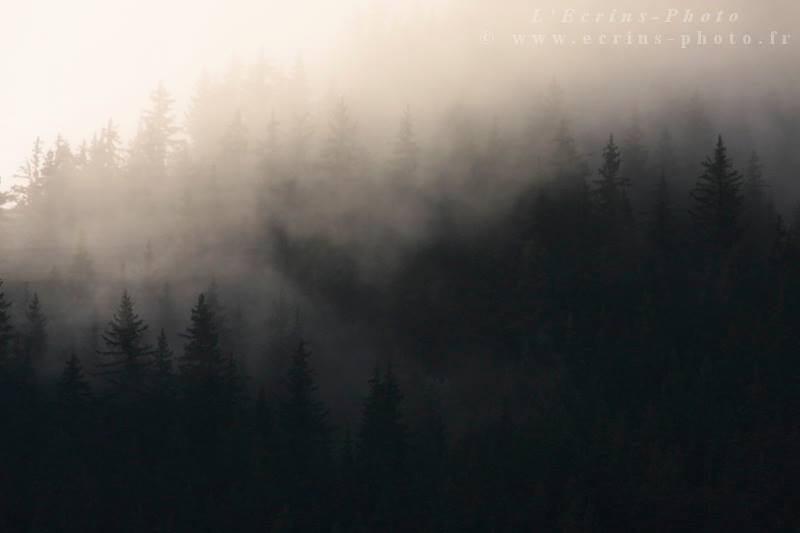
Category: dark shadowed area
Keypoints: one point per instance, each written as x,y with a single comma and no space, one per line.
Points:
429,275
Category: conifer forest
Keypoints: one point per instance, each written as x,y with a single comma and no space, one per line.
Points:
438,290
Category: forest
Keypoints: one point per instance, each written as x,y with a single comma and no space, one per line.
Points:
288,310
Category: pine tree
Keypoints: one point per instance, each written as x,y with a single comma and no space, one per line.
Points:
74,391
340,150
662,223
108,155
305,442
271,152
370,438
347,482
202,362
234,382
382,445
406,151
666,153
698,130
430,452
396,432
32,193
82,268
718,200
6,333
635,154
155,140
35,334
612,203
126,357
166,306
303,417
163,372
569,170
754,184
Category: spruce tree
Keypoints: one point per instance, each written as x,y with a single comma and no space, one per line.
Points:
126,356
612,203
6,333
406,152
635,154
340,150
662,223
665,155
754,183
163,383
304,442
74,391
202,362
382,446
35,332
82,269
370,434
569,170
718,200
396,432
303,417
155,138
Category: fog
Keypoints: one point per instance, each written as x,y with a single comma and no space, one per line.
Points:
544,257
290,116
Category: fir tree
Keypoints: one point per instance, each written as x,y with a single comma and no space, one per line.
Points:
662,223
635,154
74,391
82,268
718,200
126,356
612,203
666,153
382,445
304,442
569,170
163,380
340,150
271,161
754,184
202,364
35,332
6,333
303,417
32,193
406,151
155,139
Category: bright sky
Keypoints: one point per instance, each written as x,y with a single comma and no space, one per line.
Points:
68,66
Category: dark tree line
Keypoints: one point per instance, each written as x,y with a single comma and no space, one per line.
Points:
608,350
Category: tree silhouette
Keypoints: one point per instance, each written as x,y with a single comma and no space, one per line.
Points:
126,357
305,442
74,391
6,332
662,228
35,331
340,150
164,381
717,198
202,362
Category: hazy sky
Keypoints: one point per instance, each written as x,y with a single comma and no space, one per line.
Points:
69,66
